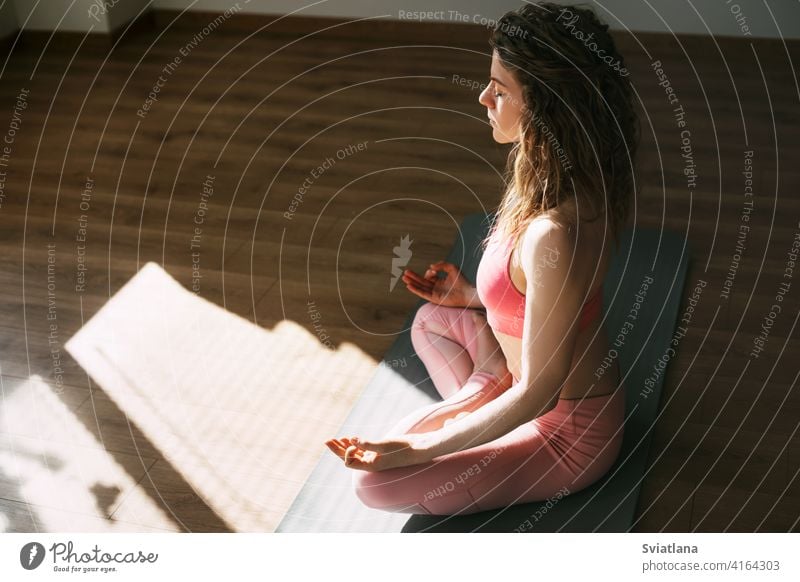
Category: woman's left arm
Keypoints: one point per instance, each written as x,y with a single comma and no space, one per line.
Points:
515,406
554,298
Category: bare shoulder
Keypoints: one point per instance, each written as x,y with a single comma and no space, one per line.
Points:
543,231
551,254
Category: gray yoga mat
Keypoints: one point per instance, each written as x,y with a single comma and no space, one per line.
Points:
327,502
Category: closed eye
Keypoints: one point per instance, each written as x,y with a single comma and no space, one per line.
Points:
495,93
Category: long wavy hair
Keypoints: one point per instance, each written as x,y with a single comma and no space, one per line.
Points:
578,126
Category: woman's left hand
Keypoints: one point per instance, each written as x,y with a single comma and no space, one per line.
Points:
400,451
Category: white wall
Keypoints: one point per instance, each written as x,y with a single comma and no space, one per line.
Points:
636,15
8,19
101,16
58,15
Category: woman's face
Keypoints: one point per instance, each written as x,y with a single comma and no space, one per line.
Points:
503,101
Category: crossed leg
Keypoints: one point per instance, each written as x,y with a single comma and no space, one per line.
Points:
534,461
464,360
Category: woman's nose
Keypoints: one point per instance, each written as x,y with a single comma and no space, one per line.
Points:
483,98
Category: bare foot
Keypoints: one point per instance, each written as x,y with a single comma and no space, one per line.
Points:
489,355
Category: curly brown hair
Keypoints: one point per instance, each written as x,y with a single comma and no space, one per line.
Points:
578,125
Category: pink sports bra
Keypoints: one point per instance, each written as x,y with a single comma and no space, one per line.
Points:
505,305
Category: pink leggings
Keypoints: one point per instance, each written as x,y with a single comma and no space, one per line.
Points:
561,452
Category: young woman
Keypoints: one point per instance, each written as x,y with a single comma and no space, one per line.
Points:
523,416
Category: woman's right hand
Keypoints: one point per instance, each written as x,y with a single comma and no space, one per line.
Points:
452,291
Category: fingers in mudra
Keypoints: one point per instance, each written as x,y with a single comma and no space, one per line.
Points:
416,283
398,451
353,452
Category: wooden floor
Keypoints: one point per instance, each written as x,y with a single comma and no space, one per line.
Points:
258,112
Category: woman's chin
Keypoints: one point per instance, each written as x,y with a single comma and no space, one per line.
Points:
499,136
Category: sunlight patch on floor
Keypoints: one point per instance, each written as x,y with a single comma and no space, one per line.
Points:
54,469
241,412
